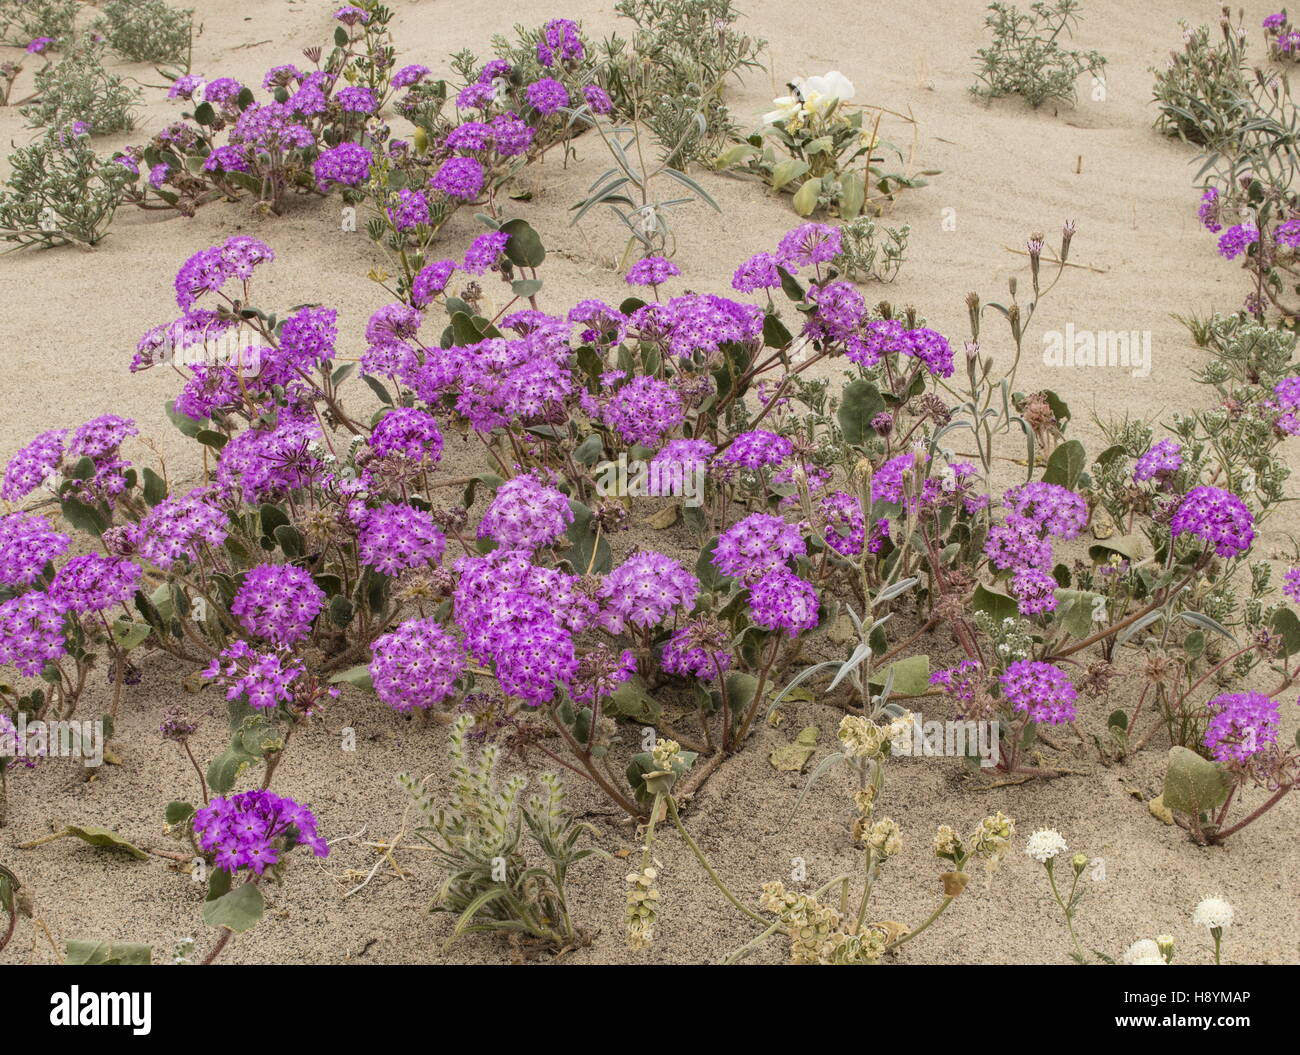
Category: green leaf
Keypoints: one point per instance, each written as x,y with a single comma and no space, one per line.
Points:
358,676
97,836
212,438
377,387
997,605
861,402
586,554
155,488
853,193
805,198
1065,464
631,700
84,517
178,812
97,953
911,676
1287,625
525,247
129,635
526,287
787,171
188,426
238,911
1192,783
341,610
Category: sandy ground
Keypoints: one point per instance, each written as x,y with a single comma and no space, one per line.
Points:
71,319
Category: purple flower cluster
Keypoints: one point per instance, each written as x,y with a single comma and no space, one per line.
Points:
652,271
254,828
697,322
560,42
396,536
176,528
33,464
31,632
484,251
92,583
699,649
522,619
266,464
1057,510
808,245
208,270
846,529
1160,463
410,210
416,665
644,590
1241,725
431,280
547,95
1034,591
780,600
1041,690
278,602
525,514
1237,239
1218,517
27,545
760,543
409,432
459,177
262,679
347,164
644,410
756,449
1016,544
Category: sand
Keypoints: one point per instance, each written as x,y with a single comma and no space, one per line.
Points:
71,320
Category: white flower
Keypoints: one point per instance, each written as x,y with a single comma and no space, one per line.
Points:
1045,844
814,95
1212,913
1143,951
821,92
1150,961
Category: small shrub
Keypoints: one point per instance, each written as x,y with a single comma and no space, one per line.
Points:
146,30
1026,57
79,89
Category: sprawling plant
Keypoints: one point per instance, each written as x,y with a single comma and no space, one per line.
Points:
147,31
478,835
824,151
1026,56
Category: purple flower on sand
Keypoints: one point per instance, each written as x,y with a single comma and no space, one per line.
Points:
416,665
1041,690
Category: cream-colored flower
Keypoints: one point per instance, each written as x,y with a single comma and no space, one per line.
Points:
1045,844
1142,951
1213,913
813,96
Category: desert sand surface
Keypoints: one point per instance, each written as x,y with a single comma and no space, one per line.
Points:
71,318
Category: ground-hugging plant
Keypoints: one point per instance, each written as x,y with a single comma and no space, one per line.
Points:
477,835
819,933
818,147
22,21
147,31
59,191
78,89
1203,91
673,73
1047,846
1027,57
